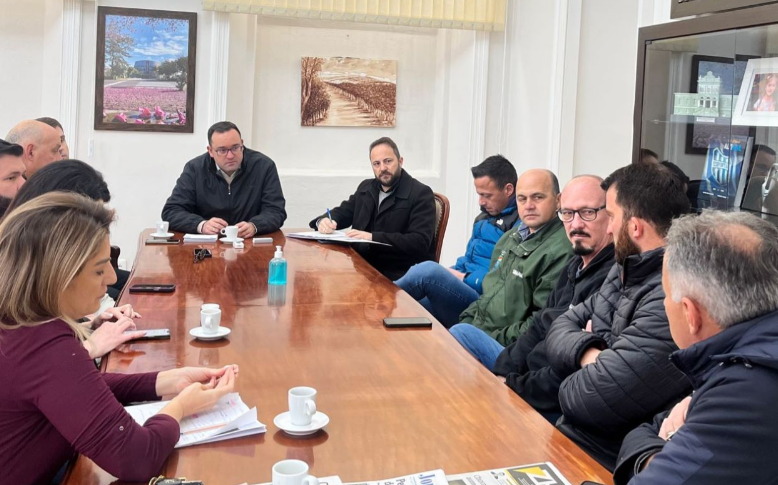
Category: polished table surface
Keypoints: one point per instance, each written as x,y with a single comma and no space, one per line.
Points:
400,401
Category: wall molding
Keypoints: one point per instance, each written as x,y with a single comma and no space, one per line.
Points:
481,49
71,66
564,91
219,65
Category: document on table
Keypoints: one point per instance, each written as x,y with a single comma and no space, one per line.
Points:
434,477
545,473
230,418
335,236
201,238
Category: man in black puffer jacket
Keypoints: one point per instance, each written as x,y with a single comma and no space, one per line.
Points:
614,348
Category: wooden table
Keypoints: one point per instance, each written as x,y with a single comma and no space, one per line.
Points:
400,401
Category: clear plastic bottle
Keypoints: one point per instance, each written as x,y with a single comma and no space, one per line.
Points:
277,269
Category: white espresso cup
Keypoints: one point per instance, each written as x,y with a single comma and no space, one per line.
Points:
210,306
210,320
231,232
292,472
302,405
162,227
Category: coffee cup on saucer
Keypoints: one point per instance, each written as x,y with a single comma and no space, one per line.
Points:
302,419
230,233
162,229
210,320
292,472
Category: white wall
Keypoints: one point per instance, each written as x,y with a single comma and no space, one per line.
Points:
606,87
555,90
21,81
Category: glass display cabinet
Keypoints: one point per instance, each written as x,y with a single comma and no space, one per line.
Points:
706,99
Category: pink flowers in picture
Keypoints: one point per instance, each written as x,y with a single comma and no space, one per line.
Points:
144,105
147,78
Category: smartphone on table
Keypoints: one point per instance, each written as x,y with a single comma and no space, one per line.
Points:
407,322
153,288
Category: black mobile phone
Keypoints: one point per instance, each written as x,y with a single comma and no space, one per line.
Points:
407,322
152,288
153,240
153,334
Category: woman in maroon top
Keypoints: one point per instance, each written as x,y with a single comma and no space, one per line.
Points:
54,269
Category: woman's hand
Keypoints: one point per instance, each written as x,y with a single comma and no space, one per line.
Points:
111,314
110,335
175,381
198,397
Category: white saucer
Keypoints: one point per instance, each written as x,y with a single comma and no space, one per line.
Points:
198,333
166,235
284,421
227,240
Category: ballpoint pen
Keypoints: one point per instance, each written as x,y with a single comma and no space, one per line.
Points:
329,215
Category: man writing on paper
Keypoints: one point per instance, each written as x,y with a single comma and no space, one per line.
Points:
228,185
392,208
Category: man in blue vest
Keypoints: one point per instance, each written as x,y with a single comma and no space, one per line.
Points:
446,292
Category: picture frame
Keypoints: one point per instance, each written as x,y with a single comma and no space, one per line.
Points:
757,103
145,70
699,135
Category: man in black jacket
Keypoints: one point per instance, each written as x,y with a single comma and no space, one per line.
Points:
614,348
524,364
721,280
229,185
393,208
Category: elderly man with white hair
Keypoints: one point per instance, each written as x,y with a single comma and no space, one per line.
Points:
40,143
720,278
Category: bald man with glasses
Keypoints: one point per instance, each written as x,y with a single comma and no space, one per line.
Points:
229,185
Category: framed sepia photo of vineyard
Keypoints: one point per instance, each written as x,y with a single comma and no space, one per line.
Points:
347,91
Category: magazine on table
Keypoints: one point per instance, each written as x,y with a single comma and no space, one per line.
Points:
536,474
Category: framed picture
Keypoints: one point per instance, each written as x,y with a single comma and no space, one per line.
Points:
348,91
145,75
757,103
699,135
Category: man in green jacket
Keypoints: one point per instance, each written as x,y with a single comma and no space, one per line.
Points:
526,263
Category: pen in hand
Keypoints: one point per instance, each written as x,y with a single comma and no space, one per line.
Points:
329,214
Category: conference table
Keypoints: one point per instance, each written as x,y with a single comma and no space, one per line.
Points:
400,401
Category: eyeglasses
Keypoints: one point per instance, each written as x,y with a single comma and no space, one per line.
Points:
201,254
567,215
221,151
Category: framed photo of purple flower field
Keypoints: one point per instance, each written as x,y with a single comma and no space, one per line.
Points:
145,75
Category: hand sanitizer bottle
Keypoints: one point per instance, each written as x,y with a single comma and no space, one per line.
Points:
277,269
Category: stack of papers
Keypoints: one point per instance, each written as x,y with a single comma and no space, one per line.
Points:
201,238
230,418
335,236
535,474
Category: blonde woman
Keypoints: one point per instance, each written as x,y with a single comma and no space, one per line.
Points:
54,269
767,85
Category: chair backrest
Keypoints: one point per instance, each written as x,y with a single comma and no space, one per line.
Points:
442,208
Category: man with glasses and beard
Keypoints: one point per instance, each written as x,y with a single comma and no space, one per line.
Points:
392,208
524,362
614,348
229,185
